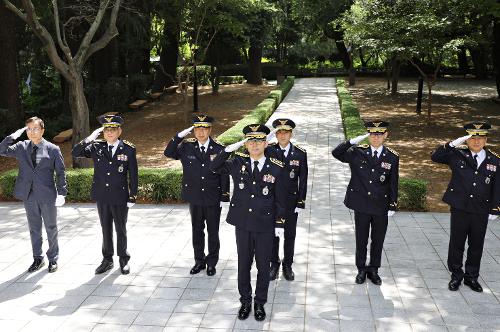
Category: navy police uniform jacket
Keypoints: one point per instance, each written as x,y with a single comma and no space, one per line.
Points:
257,205
200,186
373,188
471,189
295,173
115,178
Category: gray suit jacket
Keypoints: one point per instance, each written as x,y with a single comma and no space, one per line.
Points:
40,179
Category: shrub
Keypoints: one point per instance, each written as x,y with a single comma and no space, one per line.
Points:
412,194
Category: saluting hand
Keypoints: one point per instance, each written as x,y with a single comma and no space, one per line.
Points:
235,146
18,133
459,140
185,132
358,139
92,137
271,135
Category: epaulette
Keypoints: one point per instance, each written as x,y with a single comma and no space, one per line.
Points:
241,154
190,140
277,162
129,143
272,143
301,148
393,151
463,147
220,143
363,146
100,140
494,153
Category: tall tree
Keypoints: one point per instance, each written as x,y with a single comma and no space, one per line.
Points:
71,65
9,83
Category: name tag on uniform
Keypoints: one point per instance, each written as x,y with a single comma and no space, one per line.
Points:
294,162
491,167
385,165
122,157
268,178
190,156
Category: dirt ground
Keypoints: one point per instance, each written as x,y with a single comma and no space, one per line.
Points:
155,124
455,102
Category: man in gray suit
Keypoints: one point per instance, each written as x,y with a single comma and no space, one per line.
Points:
35,186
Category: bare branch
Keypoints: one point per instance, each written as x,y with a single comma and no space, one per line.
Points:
87,49
15,10
64,47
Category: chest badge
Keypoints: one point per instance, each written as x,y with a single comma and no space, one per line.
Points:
292,174
241,185
382,178
265,191
487,180
120,168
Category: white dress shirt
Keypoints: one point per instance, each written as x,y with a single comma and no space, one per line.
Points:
261,163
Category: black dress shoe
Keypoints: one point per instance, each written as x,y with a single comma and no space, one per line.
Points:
259,312
52,267
38,263
244,311
197,268
361,277
454,284
125,269
105,266
473,284
273,272
375,278
288,273
211,270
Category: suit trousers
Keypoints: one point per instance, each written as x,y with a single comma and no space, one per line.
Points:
250,244
46,214
117,214
289,242
363,223
210,214
471,227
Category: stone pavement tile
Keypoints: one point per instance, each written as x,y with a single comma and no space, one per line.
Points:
121,317
393,326
87,315
203,283
44,323
152,318
287,324
130,303
192,306
287,310
99,302
180,329
460,319
428,328
223,307
289,298
416,316
145,328
218,321
355,326
168,293
353,313
185,319
388,315
168,282
77,326
109,290
322,325
358,301
351,289
197,294
423,305
322,312
385,302
105,327
251,324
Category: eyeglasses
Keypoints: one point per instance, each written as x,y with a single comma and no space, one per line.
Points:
34,130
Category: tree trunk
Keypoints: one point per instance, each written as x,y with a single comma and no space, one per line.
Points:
479,58
10,98
463,66
429,98
254,65
396,67
496,53
80,116
165,76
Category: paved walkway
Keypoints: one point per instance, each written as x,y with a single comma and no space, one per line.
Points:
159,294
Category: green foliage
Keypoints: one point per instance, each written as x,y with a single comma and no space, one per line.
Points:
237,79
155,185
258,115
412,192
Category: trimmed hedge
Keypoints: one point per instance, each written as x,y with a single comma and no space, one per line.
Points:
238,79
260,114
155,185
412,192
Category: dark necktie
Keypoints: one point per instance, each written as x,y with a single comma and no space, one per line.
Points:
203,152
475,161
33,155
375,155
110,149
283,154
255,171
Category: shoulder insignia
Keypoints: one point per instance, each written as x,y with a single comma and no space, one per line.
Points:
277,162
300,148
272,144
393,151
363,146
129,143
100,140
190,140
241,154
494,153
463,147
217,142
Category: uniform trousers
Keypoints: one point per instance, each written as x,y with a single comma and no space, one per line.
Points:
210,214
250,244
471,227
289,242
117,214
363,223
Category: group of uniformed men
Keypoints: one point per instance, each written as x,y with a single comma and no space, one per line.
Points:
269,190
